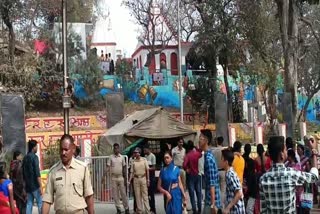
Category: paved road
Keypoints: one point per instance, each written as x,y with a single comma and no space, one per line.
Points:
102,208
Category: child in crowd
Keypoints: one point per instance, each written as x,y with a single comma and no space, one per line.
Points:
234,202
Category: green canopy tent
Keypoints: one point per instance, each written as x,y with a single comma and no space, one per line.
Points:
127,150
155,123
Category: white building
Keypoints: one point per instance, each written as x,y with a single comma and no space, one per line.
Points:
169,55
104,37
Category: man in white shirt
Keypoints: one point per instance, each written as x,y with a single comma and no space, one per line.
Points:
178,154
152,161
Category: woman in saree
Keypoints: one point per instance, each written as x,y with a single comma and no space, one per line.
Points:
170,185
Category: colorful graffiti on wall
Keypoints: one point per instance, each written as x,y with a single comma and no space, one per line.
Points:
313,111
162,89
49,124
48,130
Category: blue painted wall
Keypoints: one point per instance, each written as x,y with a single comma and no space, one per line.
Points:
166,93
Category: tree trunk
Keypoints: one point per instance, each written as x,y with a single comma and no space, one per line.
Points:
213,87
229,97
271,109
303,112
12,45
11,34
288,18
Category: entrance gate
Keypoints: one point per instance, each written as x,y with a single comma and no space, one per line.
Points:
101,179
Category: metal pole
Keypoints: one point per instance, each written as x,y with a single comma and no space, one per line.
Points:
65,64
192,109
180,67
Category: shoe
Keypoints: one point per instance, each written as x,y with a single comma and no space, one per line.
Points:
118,211
127,211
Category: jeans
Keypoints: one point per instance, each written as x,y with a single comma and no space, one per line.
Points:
30,198
194,185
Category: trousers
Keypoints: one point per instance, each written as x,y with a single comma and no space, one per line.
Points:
151,191
194,186
141,193
30,198
118,189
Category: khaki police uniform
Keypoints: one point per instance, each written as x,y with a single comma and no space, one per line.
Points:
68,188
116,164
139,168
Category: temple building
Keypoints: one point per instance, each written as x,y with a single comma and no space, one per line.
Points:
168,57
104,38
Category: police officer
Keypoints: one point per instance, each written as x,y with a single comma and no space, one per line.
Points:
141,182
152,161
116,164
69,184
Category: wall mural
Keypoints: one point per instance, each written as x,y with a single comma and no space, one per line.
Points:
162,89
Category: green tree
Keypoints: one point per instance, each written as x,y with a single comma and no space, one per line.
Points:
262,67
153,33
309,56
217,39
39,79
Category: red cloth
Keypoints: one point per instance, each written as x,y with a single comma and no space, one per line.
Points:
267,165
40,47
4,205
190,163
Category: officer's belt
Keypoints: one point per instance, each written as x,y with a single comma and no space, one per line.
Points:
72,212
139,176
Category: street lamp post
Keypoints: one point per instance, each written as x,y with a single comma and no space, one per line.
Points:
192,88
66,99
180,67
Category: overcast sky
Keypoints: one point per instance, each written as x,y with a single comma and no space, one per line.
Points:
123,26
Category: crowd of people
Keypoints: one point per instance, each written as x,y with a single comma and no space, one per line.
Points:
107,63
68,186
22,185
279,179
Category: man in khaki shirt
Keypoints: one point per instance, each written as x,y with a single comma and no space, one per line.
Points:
69,184
141,182
116,166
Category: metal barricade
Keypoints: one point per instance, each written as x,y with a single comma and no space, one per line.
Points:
101,179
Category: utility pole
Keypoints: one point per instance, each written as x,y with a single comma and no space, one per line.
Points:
66,99
180,67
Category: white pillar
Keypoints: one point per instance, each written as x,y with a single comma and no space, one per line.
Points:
39,155
232,136
303,129
86,149
168,61
245,110
282,130
259,134
157,61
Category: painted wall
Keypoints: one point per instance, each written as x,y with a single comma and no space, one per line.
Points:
48,130
162,89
